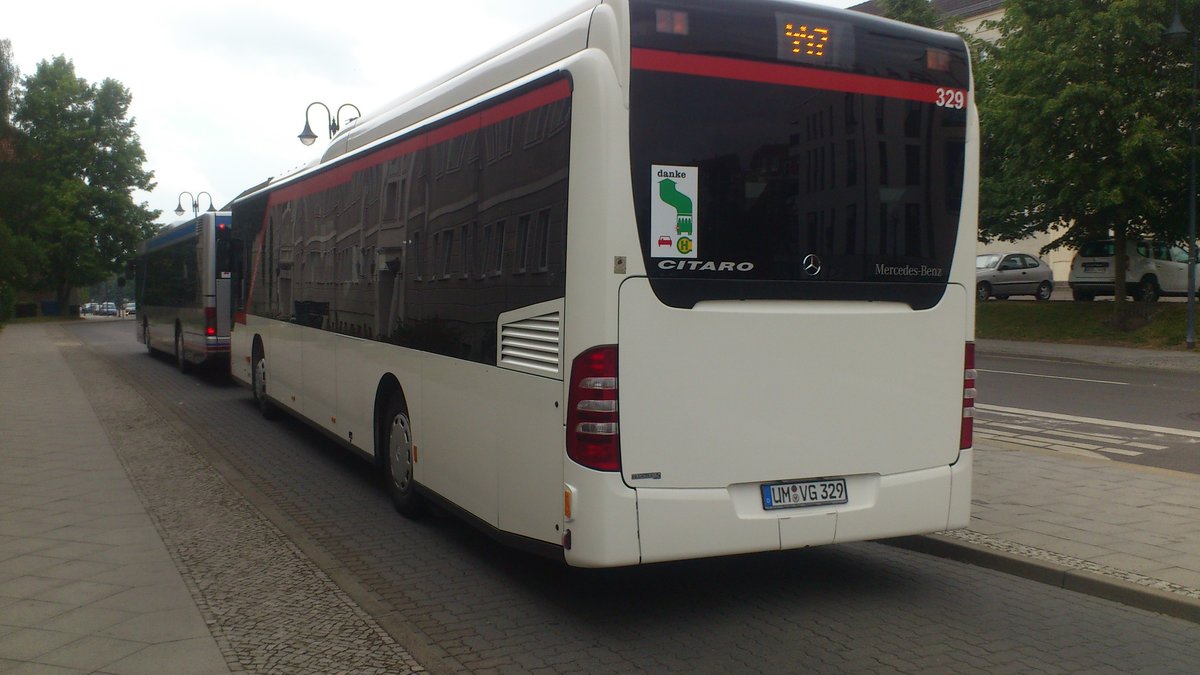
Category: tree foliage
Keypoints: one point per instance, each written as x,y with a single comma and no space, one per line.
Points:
8,84
13,250
66,183
916,12
1084,113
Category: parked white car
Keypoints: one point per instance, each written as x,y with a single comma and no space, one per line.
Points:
999,275
1154,269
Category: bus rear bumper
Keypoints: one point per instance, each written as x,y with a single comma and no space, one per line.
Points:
676,524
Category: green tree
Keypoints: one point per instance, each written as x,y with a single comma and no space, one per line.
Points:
916,12
1083,115
14,250
69,187
8,84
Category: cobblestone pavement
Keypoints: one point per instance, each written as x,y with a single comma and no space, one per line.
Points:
269,607
461,603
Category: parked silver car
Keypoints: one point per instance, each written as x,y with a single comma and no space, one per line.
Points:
999,275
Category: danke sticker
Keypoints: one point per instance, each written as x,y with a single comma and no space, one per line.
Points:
674,195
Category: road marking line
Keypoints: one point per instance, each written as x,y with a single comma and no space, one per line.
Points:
1036,444
1119,451
1075,451
1146,446
1186,433
1025,442
1076,437
1052,377
1081,434
996,432
1077,444
1017,427
1072,446
1105,438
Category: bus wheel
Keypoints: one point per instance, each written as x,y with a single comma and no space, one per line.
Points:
146,336
265,407
180,359
398,441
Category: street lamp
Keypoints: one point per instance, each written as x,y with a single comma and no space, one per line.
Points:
1177,31
195,203
307,136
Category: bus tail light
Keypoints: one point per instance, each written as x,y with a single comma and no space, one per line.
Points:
210,321
593,432
967,437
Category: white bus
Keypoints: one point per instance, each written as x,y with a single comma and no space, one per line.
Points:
663,280
185,287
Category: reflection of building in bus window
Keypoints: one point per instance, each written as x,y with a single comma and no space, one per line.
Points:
409,278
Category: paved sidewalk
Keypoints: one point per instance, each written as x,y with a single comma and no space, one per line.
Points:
1125,532
86,583
123,550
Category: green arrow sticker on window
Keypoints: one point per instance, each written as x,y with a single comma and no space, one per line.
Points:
669,193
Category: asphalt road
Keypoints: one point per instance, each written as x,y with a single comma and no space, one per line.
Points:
1140,396
1142,416
461,602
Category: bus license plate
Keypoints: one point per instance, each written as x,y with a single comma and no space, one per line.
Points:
804,493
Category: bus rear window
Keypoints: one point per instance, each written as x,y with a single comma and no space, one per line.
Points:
778,179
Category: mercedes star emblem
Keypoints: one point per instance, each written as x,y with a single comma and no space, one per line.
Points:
812,265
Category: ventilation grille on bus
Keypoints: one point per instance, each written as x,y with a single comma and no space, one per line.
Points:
533,344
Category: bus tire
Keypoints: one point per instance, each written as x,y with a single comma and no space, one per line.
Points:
259,387
180,359
146,336
397,436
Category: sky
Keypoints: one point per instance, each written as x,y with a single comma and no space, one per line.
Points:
220,87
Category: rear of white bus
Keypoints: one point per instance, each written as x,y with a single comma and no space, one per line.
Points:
795,365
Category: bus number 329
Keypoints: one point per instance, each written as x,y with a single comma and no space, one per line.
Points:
951,98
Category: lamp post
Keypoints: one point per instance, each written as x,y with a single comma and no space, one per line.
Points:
1177,31
307,136
195,203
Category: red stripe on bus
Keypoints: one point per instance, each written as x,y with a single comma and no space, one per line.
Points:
342,174
777,73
